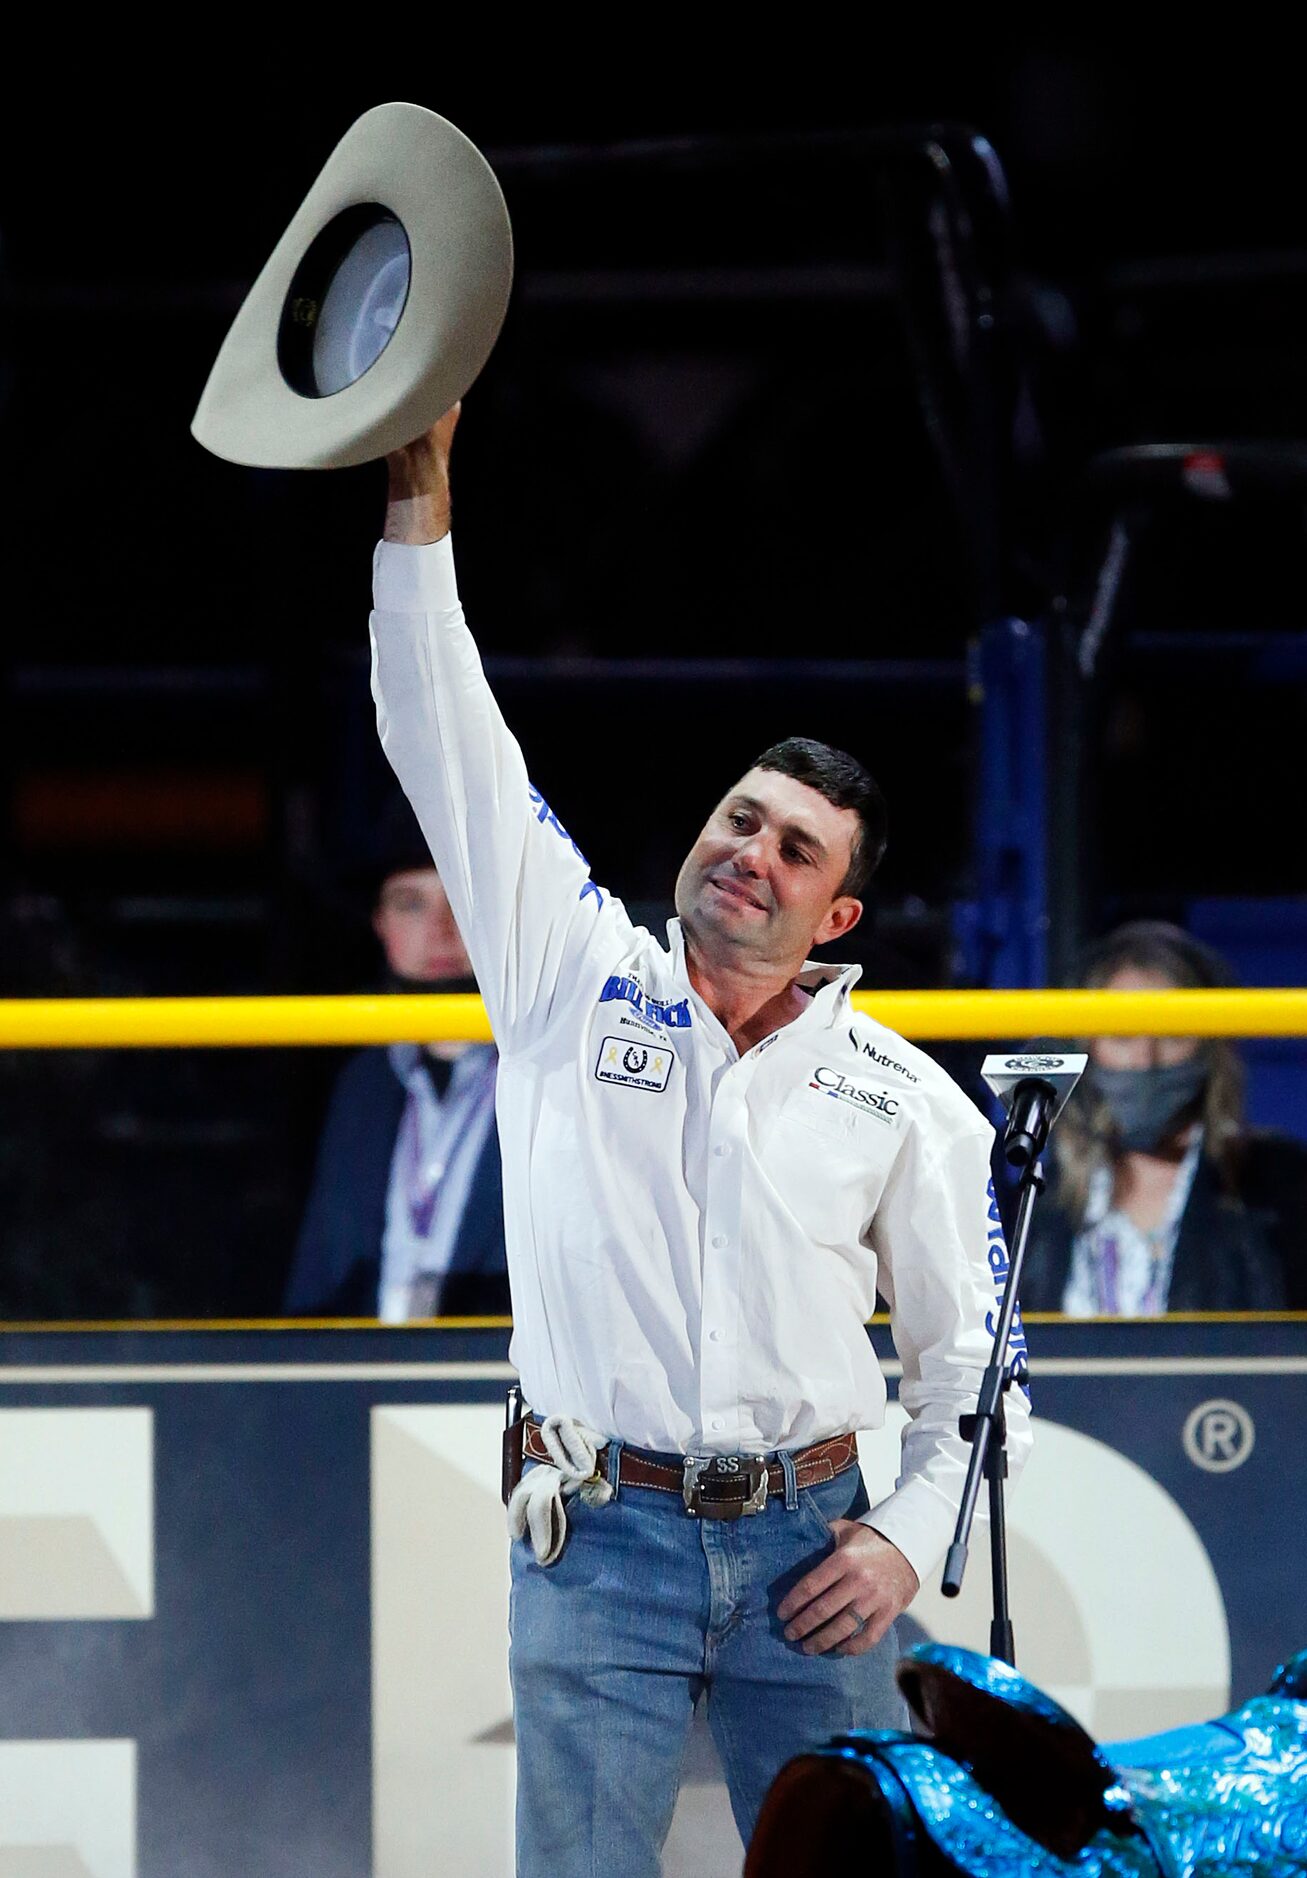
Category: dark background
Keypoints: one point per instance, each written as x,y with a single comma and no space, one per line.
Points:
728,423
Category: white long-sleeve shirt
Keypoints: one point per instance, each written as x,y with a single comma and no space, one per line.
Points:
695,1238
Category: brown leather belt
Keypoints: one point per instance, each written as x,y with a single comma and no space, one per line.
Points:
720,1486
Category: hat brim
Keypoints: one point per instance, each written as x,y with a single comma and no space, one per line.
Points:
417,167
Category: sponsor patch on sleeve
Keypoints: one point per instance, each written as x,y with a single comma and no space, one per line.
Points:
636,1065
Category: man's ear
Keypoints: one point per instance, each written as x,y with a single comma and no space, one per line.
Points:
844,914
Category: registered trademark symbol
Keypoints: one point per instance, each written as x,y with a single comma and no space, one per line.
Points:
1219,1436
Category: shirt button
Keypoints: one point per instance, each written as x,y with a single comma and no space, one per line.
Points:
719,1240
721,1149
715,1336
718,1424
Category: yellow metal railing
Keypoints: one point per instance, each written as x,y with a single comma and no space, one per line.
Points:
174,1023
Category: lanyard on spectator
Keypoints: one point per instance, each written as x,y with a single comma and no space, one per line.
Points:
423,1175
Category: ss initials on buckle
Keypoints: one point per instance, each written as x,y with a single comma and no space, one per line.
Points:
723,1467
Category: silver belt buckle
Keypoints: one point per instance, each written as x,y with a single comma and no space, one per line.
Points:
723,1467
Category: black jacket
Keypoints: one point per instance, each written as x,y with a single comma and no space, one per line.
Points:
1244,1252
337,1266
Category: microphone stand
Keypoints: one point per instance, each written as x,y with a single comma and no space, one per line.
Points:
986,1430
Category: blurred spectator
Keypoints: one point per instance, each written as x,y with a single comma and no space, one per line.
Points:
405,1216
1160,1199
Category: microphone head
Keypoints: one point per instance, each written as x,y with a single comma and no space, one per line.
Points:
1005,1073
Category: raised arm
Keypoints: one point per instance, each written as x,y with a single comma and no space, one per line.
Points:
417,493
520,888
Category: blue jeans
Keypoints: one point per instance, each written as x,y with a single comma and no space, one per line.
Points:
612,1646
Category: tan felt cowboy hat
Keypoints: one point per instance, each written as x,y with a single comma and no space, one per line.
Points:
377,309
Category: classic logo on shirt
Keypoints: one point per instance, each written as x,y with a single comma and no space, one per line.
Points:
882,1103
634,1065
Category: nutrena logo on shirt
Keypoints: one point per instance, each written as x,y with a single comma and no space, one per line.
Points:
881,1103
880,1058
634,1065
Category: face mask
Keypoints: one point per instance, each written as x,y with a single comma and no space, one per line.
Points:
1146,1103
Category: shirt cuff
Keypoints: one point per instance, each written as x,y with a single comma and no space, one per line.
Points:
919,1521
409,579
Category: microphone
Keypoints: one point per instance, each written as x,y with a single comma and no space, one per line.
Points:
1033,1090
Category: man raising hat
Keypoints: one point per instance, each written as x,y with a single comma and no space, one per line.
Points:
711,1164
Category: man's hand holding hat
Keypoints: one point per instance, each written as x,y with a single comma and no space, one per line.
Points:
418,501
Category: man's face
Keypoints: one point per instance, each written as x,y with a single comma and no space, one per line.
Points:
766,871
416,928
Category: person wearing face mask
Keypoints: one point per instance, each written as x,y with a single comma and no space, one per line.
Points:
405,1217
1160,1198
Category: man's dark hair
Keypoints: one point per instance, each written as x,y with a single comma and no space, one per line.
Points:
845,783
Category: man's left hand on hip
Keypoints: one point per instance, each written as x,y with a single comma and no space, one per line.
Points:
849,1601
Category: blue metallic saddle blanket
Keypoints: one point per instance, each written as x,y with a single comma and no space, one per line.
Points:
1004,1782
